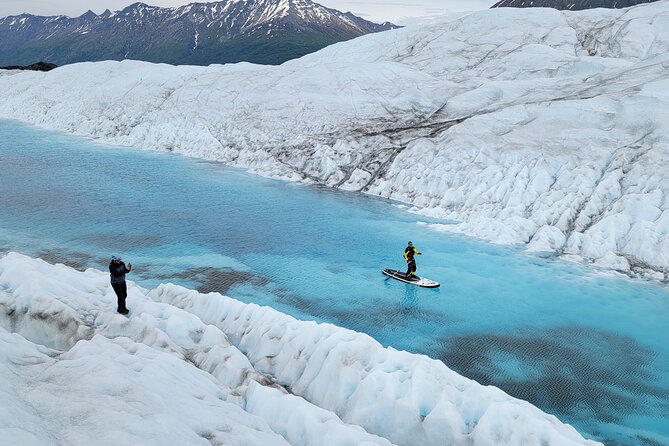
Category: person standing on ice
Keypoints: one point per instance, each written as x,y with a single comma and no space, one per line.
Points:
117,271
409,253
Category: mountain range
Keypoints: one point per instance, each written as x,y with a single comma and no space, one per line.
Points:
258,31
569,4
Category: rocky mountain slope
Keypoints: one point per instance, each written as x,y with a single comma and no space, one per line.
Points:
260,31
573,5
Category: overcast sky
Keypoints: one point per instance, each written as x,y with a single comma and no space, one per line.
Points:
396,11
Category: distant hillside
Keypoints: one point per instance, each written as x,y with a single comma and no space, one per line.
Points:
259,31
39,66
569,4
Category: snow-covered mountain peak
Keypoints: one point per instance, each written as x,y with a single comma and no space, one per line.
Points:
268,31
88,15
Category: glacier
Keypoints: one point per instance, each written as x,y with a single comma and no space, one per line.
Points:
192,368
522,126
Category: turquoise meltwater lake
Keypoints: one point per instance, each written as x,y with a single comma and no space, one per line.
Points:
589,347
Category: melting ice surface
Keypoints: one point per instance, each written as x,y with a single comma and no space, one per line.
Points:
587,347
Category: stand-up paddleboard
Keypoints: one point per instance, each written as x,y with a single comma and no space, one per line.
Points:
415,280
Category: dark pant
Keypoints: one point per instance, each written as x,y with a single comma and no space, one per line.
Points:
411,267
121,293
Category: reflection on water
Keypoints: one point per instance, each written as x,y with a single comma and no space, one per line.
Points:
588,348
409,300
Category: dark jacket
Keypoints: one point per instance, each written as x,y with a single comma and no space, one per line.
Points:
409,253
117,272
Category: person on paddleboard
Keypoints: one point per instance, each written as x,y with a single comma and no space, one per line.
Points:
409,256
